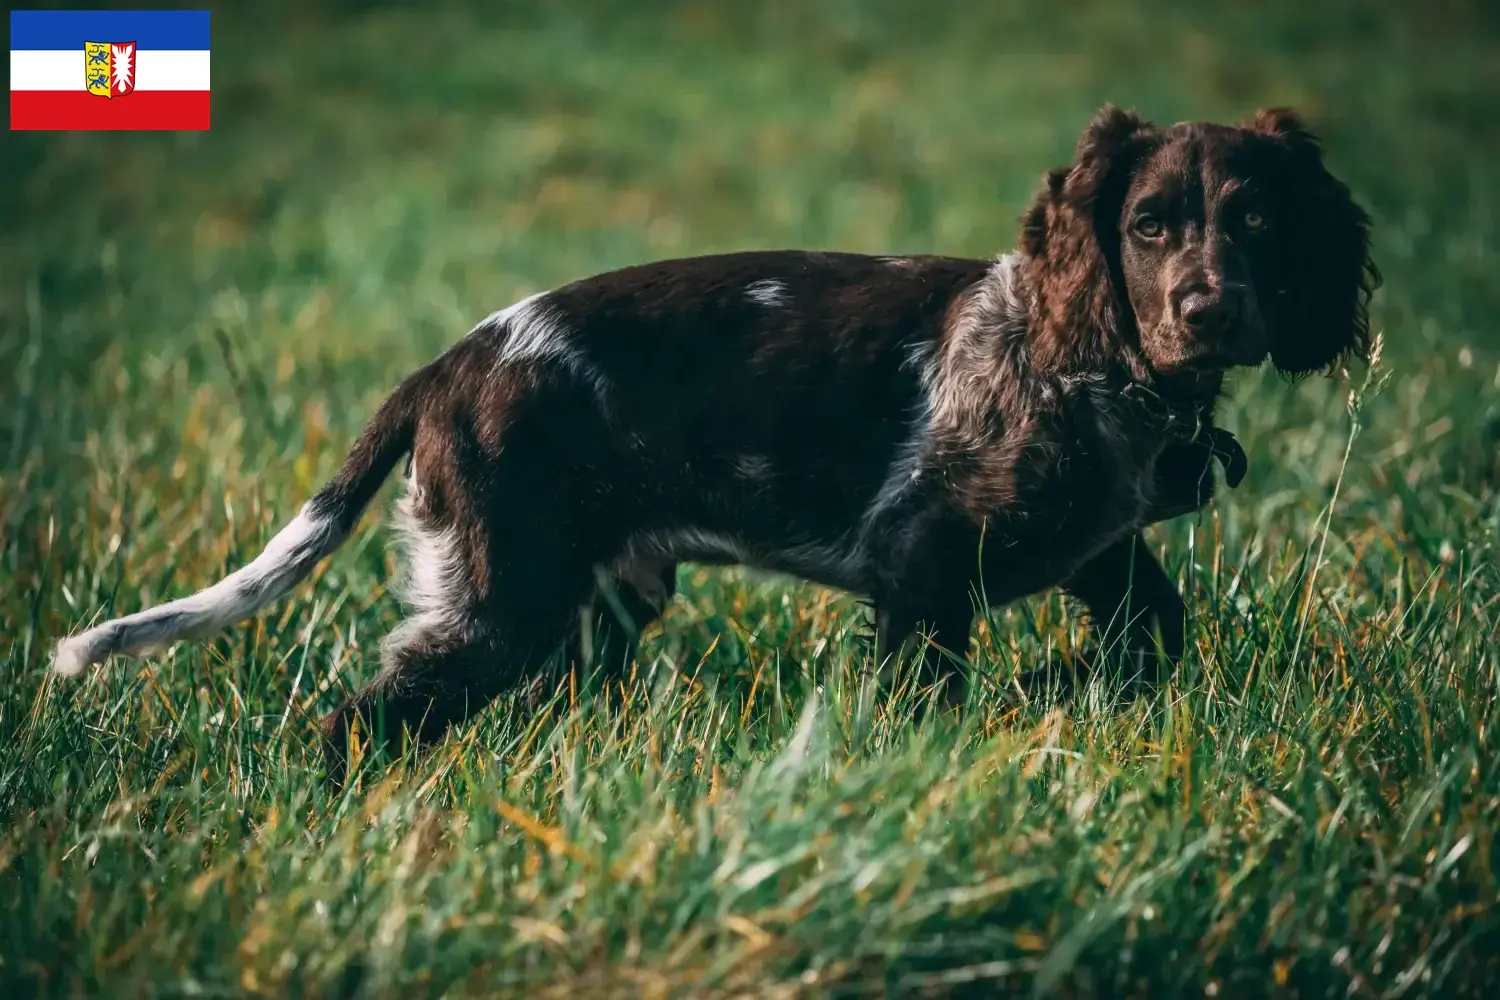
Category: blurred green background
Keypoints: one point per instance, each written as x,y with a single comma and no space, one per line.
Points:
193,326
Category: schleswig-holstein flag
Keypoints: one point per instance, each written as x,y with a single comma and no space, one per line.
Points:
108,69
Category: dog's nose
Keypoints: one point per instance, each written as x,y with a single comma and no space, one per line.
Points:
1209,311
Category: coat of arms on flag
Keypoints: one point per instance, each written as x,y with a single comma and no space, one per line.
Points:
109,68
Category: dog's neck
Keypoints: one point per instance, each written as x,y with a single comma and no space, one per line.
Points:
988,362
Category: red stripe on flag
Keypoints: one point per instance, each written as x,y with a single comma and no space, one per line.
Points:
61,110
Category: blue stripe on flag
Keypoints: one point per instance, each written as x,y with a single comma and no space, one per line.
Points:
69,29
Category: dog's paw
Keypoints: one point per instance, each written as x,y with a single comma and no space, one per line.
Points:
1058,678
1062,678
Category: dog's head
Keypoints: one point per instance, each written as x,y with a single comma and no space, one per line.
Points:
1196,248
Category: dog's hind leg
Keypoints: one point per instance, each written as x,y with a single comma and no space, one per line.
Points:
628,597
491,607
429,682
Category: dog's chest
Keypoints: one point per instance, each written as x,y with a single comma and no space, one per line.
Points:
1121,459
1062,486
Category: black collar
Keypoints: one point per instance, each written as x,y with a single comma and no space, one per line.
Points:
1188,422
1178,418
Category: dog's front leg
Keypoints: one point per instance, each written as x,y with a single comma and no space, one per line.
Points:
935,631
1135,609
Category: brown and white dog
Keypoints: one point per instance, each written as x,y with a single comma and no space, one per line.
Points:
912,429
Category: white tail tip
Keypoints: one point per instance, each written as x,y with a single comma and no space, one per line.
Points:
76,654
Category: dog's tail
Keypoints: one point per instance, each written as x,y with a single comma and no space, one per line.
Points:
321,526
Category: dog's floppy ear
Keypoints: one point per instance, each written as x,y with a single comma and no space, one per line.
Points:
1071,238
1324,316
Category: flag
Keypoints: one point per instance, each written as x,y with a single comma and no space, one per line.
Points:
108,69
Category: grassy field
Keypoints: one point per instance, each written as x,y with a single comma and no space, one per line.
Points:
194,326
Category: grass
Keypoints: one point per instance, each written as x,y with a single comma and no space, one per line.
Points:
194,326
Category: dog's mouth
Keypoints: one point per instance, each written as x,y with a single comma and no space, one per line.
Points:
1241,349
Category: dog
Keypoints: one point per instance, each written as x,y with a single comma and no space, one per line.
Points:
912,429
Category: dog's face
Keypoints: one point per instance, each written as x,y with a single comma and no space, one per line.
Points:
1202,246
1198,242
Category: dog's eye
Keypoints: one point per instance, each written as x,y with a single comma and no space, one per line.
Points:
1149,226
1254,221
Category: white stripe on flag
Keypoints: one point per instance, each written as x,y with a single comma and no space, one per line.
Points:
156,69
